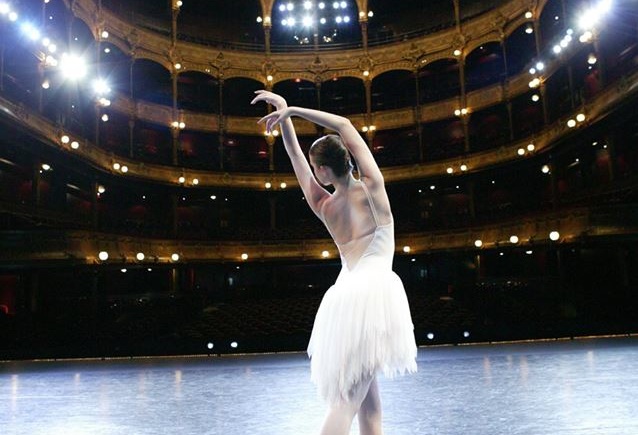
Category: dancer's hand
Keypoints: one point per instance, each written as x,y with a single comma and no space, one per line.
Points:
275,118
271,98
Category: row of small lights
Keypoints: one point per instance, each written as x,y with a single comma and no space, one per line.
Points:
72,65
307,20
140,256
587,22
478,243
553,236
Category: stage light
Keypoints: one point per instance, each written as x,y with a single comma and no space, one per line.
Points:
140,256
181,180
105,117
531,147
267,185
31,32
449,170
73,67
210,345
195,181
557,49
52,48
174,257
406,249
430,336
529,252
466,334
124,169
103,255
571,123
528,15
75,145
46,167
478,243
580,117
13,16
4,8
463,167
105,34
116,166
535,98
457,52
101,87
520,152
514,239
244,256
234,345
306,21
545,169
325,254
101,189
283,185
46,84
554,236
432,187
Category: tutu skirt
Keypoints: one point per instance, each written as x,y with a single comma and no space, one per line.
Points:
363,326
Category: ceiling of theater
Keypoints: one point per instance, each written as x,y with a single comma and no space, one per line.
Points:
236,20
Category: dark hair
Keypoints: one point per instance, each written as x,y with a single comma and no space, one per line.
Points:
330,151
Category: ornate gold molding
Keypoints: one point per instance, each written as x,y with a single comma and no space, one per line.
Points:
597,109
141,43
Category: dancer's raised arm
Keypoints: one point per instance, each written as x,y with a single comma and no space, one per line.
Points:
312,190
368,169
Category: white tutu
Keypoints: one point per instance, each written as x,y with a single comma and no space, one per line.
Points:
363,326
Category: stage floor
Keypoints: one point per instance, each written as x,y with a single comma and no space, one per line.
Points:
555,387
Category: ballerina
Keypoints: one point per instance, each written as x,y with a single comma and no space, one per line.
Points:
363,325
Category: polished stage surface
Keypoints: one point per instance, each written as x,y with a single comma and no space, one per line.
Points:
586,386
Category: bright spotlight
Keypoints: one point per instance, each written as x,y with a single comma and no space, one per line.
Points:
140,256
307,4
554,235
210,345
335,5
234,345
31,32
466,334
306,21
478,243
343,5
430,336
346,19
339,19
322,5
72,66
174,257
4,8
290,6
513,239
103,255
101,87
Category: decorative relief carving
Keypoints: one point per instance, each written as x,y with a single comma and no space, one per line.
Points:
317,67
413,54
220,64
269,68
366,63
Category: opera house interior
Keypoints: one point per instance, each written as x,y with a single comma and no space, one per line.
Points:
144,211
